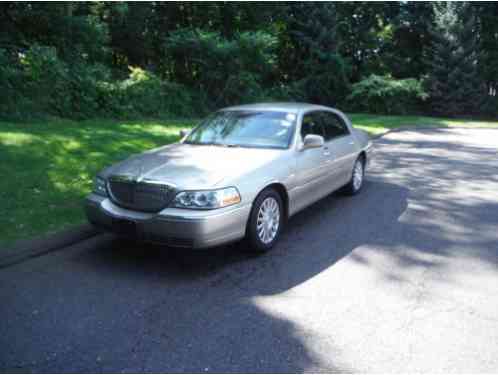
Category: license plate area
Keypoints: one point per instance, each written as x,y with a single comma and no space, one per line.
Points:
124,227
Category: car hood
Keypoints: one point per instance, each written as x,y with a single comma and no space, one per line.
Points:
192,166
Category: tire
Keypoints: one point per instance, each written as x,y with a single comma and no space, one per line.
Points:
356,183
261,237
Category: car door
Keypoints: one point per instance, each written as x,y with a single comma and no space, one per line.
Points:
311,171
339,143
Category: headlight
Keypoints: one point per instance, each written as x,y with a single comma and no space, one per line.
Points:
207,199
99,186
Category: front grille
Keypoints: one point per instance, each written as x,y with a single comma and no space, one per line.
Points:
140,196
122,192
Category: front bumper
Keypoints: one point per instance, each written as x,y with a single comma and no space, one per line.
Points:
172,226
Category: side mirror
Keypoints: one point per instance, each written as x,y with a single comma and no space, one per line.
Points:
184,133
312,141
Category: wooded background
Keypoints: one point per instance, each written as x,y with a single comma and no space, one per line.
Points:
103,59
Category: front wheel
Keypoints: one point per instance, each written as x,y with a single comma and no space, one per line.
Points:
265,222
355,184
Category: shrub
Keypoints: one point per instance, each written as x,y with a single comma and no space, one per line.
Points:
33,82
83,91
386,95
10,82
490,106
143,91
226,71
37,84
150,96
144,94
57,88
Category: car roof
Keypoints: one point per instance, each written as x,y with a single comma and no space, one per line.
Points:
280,107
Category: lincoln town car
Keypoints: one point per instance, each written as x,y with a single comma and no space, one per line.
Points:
242,173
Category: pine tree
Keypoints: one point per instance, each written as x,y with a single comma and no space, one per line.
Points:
313,60
454,82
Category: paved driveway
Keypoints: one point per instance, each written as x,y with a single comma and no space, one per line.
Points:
403,277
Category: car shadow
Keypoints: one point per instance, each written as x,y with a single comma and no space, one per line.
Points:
313,240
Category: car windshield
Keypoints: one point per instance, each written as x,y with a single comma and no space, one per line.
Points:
264,129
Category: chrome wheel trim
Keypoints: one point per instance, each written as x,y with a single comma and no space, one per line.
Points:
268,220
357,175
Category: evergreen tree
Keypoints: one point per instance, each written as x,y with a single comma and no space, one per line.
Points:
311,56
488,34
454,82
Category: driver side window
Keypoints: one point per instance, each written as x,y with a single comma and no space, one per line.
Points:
311,125
334,126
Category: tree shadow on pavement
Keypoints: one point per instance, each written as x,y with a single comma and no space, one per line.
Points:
196,310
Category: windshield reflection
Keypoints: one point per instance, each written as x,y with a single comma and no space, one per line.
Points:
264,129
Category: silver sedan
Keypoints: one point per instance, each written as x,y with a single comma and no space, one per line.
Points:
242,172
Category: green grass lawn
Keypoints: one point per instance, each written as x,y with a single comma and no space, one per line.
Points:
47,168
380,124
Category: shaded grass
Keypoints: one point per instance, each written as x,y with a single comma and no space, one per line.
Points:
47,168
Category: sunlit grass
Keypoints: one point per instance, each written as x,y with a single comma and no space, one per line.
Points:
47,168
380,124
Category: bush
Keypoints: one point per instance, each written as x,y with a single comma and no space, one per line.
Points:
36,84
386,95
54,87
32,81
490,106
147,95
143,94
82,91
10,82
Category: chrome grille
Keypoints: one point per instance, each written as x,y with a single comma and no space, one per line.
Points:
140,195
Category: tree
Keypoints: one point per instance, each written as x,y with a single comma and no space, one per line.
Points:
488,17
359,30
405,40
310,58
70,58
454,83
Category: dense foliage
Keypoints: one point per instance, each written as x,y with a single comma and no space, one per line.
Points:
383,94
104,59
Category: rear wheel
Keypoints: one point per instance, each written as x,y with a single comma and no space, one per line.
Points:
355,184
266,221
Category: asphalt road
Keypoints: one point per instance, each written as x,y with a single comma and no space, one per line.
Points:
403,277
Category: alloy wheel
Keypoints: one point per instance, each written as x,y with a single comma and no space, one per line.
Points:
268,220
357,175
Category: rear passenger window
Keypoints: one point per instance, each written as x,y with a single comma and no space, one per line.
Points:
334,125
